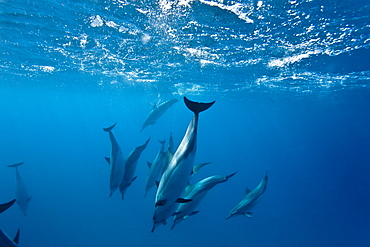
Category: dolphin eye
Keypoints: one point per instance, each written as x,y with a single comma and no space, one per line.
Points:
160,203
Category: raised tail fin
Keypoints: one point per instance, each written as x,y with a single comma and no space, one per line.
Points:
197,107
16,165
109,129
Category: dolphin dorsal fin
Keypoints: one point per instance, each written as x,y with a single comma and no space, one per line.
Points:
247,191
16,238
107,159
149,164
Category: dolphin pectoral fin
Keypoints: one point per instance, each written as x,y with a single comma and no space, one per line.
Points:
247,191
149,164
160,203
109,129
176,213
157,183
107,159
29,199
164,222
229,176
248,214
193,213
16,238
197,168
182,200
16,165
133,179
197,107
7,205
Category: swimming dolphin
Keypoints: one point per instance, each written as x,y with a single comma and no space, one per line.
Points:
155,168
196,193
6,241
249,200
157,112
116,161
176,176
21,192
130,168
7,205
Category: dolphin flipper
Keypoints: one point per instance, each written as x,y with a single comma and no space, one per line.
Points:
16,238
7,205
197,107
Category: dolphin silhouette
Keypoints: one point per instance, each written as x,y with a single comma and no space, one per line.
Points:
130,168
157,112
250,199
196,193
176,176
155,168
21,192
7,205
116,161
6,241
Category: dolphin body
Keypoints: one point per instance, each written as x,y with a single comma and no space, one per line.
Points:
7,205
155,168
157,112
249,200
176,176
6,241
130,168
116,161
21,196
196,193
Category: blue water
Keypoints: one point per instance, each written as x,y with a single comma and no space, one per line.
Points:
291,80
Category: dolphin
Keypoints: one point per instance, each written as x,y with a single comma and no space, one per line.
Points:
21,196
130,168
7,205
169,153
6,241
116,161
176,176
196,193
155,168
157,112
249,200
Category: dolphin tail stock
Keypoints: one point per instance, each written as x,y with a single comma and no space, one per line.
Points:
7,205
197,107
109,129
16,165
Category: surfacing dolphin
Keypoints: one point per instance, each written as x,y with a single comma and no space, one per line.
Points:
176,176
155,168
6,241
7,205
21,196
130,168
157,112
196,193
250,200
116,161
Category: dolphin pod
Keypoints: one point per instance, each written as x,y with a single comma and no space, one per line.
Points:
21,196
157,112
250,200
196,193
6,241
176,176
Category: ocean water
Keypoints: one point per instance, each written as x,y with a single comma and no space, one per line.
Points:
291,81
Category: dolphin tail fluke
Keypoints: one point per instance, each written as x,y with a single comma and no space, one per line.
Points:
109,129
16,238
197,107
16,165
7,205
